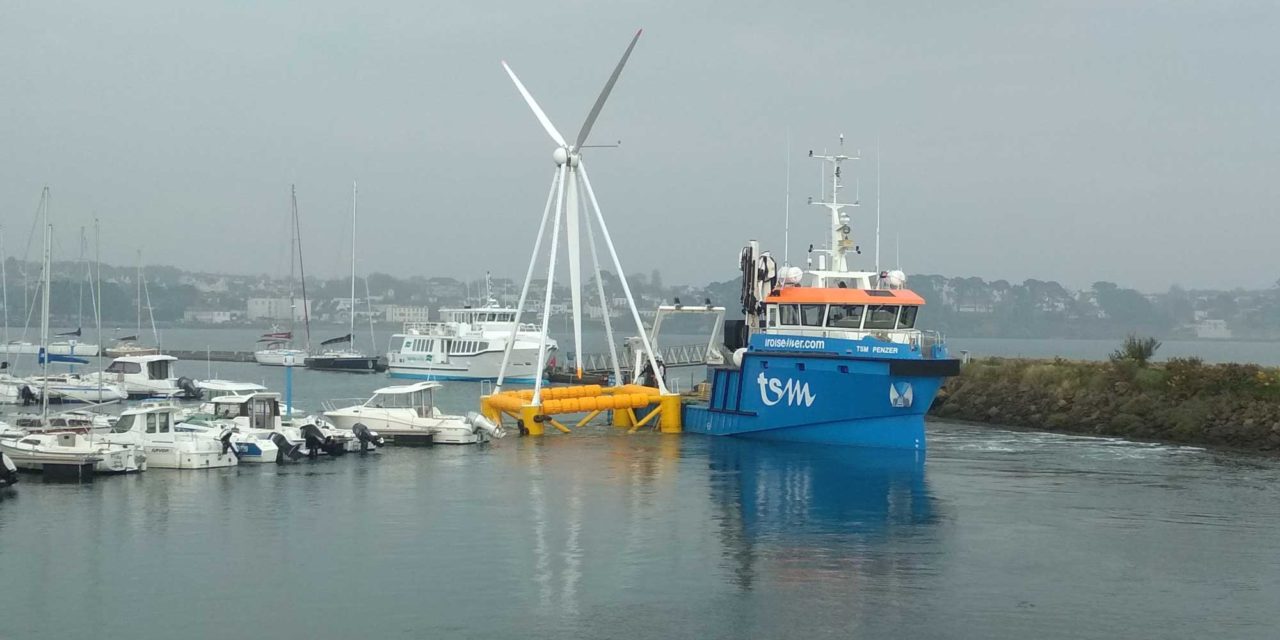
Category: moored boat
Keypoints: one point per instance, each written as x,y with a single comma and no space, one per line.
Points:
406,414
153,429
829,355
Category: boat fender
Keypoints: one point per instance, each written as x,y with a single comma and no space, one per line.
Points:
27,395
738,355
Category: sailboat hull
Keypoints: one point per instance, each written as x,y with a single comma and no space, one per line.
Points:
348,364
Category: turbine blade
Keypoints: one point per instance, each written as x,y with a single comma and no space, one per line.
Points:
604,94
537,111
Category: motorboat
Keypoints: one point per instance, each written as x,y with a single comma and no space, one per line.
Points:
259,414
217,388
35,450
152,428
468,344
147,376
406,414
126,347
73,387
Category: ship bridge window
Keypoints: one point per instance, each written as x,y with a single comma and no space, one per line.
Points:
771,316
811,314
907,320
158,370
789,314
845,316
881,316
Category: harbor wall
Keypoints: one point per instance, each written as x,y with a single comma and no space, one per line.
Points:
1181,400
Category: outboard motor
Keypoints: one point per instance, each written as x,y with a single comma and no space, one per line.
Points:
286,450
189,389
366,436
481,423
28,396
8,471
317,441
227,445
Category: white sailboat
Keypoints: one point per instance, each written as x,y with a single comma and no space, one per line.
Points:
279,351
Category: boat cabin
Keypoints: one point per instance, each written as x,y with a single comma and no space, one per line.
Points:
888,314
152,367
420,397
153,418
255,411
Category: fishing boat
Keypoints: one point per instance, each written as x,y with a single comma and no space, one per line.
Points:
348,359
406,414
279,350
829,354
152,428
468,344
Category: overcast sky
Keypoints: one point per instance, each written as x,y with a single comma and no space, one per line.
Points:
1076,141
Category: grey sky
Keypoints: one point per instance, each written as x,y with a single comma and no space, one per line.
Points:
1134,142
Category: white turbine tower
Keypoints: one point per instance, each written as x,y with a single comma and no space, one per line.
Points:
569,185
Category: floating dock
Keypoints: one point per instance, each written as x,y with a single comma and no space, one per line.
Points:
622,402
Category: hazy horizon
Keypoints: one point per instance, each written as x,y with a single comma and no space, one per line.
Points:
1075,142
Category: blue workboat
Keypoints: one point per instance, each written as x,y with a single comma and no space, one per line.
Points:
828,354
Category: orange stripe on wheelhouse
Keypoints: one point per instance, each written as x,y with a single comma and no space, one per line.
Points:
824,295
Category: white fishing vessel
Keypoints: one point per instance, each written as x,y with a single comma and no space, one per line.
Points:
149,376
468,344
153,429
406,414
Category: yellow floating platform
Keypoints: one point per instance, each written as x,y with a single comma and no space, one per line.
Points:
591,399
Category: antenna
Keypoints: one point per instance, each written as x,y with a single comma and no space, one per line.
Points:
786,234
877,208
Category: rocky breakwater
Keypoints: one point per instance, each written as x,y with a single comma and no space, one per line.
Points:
1181,400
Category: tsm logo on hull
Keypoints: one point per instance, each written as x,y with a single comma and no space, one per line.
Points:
773,391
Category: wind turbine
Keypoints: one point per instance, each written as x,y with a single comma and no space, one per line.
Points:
569,185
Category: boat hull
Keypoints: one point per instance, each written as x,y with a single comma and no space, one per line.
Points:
347,364
277,357
824,399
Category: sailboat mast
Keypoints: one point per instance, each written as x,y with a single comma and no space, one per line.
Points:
44,312
80,297
4,289
293,256
302,271
352,329
97,295
137,280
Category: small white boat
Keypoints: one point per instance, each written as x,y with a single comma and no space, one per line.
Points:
279,354
73,387
219,388
259,414
147,376
66,421
35,450
406,414
61,348
152,428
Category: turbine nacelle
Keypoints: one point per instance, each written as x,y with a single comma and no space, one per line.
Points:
564,155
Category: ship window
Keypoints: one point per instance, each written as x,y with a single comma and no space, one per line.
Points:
408,344
908,318
123,425
151,423
163,419
845,316
811,314
881,316
771,319
158,370
789,314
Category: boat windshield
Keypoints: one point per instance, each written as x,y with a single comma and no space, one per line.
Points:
411,400
124,424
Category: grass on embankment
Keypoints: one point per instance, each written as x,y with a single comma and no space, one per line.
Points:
1182,400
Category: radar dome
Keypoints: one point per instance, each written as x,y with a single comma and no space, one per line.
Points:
897,278
792,275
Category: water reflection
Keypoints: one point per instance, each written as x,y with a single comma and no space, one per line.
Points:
811,512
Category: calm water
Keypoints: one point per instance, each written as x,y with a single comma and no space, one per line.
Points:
997,534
